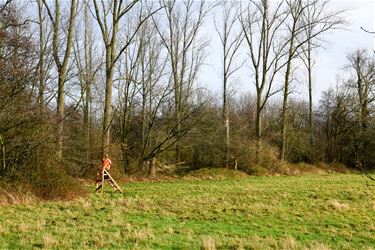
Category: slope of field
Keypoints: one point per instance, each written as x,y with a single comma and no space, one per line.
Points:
333,211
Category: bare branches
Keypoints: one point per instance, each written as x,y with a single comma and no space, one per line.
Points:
180,39
263,30
141,21
231,41
367,31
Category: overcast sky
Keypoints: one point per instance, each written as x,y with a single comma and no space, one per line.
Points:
330,59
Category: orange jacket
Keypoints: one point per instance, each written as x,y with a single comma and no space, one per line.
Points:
106,163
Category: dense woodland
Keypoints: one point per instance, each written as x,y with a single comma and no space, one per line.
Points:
82,78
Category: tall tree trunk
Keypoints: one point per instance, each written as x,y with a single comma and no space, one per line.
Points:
225,103
311,121
284,113
258,128
125,123
41,76
177,98
87,121
144,97
152,168
3,153
60,115
226,122
107,108
88,78
291,53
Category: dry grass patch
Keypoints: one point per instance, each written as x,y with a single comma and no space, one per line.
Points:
40,225
289,243
49,241
99,240
257,207
237,243
12,195
86,205
6,198
126,202
335,204
263,243
144,205
23,228
318,246
169,230
208,243
141,235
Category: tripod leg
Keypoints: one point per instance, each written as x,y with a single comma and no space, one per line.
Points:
98,186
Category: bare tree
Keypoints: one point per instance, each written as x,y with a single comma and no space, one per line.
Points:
322,21
140,71
128,87
145,91
364,84
108,18
336,110
112,13
184,19
154,94
262,28
62,66
231,41
87,71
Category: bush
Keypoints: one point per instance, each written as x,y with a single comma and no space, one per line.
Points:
47,182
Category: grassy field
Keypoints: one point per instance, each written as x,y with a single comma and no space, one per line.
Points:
333,211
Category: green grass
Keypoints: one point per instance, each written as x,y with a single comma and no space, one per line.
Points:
333,211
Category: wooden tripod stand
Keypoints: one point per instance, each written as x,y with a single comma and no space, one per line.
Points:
108,177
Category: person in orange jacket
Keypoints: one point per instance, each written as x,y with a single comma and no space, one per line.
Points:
106,162
106,165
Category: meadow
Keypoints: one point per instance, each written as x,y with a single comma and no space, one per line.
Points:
326,211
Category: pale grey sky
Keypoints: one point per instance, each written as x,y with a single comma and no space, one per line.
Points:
330,59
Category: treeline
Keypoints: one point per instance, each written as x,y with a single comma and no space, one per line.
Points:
79,79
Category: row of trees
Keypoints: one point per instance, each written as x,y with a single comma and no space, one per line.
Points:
84,78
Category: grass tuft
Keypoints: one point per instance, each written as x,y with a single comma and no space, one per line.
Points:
99,240
208,243
141,235
319,246
49,241
289,243
338,206
170,230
